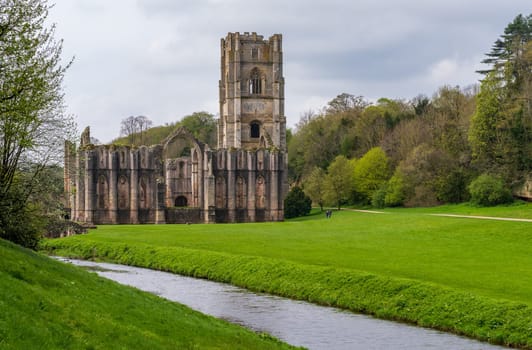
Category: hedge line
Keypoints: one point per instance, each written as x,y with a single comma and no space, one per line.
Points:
424,304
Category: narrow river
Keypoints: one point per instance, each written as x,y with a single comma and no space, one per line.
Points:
295,322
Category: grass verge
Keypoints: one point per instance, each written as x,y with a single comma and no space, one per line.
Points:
422,303
46,304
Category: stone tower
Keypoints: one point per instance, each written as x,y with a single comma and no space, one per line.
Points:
252,92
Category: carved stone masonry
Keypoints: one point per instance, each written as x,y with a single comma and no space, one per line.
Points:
183,180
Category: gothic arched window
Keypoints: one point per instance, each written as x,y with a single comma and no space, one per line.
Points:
181,201
254,130
255,82
241,193
102,192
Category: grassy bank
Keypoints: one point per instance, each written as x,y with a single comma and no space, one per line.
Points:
462,275
45,304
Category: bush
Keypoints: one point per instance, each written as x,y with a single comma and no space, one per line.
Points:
378,200
21,226
487,190
395,193
296,203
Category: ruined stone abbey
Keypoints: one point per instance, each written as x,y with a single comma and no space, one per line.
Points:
184,180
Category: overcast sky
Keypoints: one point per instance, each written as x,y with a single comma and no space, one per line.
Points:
160,58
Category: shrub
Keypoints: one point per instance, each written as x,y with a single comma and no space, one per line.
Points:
378,199
395,193
22,226
296,203
487,190
452,187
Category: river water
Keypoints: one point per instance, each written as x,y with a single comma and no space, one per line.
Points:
295,322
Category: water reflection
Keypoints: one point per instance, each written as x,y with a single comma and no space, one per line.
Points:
295,322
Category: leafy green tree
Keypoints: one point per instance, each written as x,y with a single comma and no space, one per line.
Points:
420,172
449,119
202,125
339,181
315,186
371,172
33,125
296,203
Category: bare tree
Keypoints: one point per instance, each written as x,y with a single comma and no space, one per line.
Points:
143,124
135,127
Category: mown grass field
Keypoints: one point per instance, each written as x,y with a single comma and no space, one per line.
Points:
491,258
468,276
45,304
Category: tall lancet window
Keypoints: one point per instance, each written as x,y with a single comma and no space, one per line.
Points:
255,82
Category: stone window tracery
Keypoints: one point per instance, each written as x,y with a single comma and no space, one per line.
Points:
254,130
181,201
255,82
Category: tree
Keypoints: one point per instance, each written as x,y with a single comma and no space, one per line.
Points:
315,186
33,124
371,172
345,102
501,131
296,203
128,127
202,125
143,124
510,46
419,174
135,128
339,181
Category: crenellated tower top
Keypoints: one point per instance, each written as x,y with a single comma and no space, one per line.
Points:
251,92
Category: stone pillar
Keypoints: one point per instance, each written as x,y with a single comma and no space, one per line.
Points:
89,186
209,208
134,188
79,207
159,201
231,188
252,168
113,187
274,187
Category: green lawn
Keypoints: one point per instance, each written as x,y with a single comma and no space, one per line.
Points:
489,258
45,304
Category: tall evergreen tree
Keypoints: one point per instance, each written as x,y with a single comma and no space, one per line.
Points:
501,129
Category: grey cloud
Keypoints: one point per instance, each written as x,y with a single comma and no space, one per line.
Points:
161,57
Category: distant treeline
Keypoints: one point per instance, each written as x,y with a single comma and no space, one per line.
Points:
461,142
